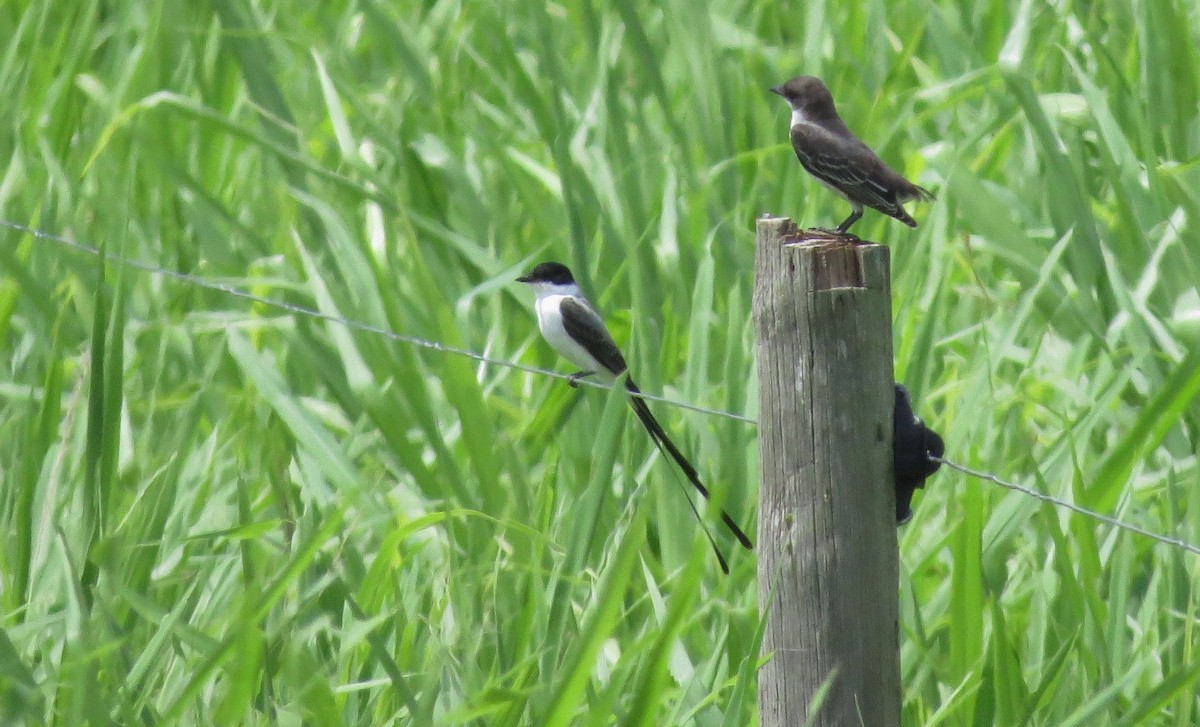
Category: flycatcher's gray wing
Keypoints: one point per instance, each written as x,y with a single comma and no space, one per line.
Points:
584,325
850,167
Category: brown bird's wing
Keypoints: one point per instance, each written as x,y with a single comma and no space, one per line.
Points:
854,171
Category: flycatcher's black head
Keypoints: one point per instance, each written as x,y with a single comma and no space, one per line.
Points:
809,96
549,272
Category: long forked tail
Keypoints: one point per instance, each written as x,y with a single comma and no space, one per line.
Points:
667,446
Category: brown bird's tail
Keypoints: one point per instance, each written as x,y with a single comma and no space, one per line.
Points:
903,216
916,194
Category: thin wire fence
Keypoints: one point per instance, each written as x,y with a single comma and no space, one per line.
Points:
236,292
1176,542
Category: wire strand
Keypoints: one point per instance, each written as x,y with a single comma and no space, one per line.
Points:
1167,539
213,285
209,284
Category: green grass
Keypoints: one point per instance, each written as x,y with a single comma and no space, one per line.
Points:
215,512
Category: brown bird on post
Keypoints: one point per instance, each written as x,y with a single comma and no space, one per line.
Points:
829,151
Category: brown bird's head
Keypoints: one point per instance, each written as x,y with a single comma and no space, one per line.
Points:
809,98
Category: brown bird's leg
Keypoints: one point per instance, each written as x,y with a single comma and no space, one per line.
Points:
841,230
855,212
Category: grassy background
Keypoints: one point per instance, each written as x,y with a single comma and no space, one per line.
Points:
215,512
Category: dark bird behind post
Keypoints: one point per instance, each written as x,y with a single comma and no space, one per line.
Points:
829,151
913,444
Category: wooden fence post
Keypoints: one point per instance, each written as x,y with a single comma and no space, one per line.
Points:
827,563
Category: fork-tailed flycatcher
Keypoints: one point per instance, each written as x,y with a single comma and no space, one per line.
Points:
572,327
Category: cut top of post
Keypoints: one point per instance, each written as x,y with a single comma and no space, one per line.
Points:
838,261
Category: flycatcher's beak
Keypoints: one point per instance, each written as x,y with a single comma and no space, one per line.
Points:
525,279
777,90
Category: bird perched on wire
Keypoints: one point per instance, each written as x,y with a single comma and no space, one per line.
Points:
829,151
572,327
913,444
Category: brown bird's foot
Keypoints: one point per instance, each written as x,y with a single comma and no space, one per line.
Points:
578,376
820,235
827,233
838,233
